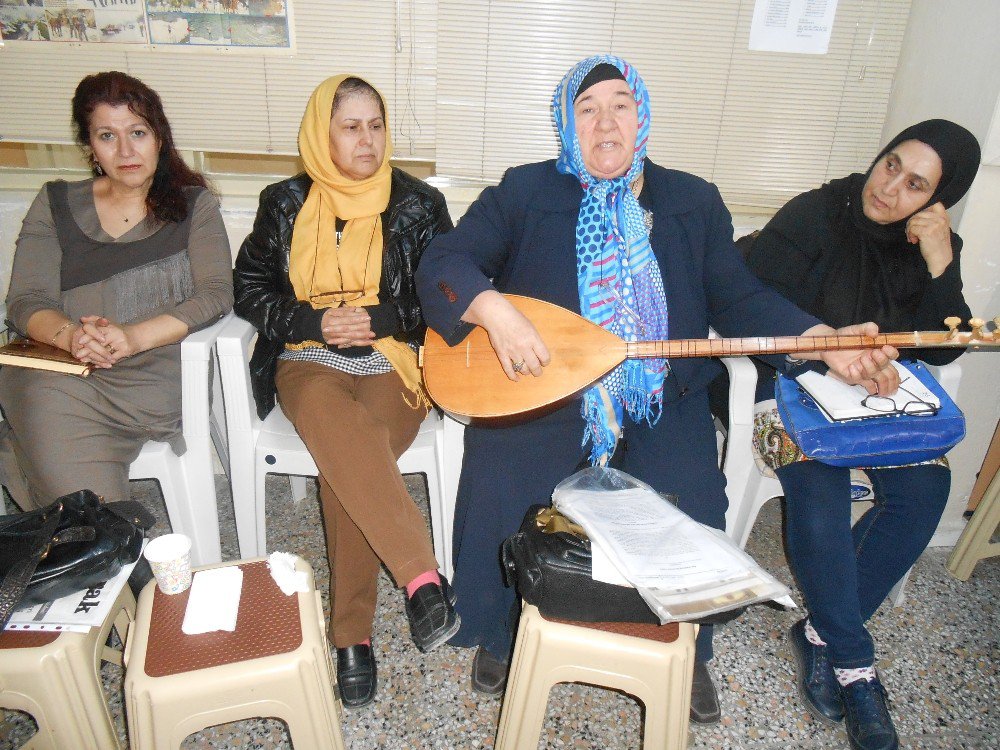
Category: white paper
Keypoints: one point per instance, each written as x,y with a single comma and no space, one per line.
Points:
76,612
801,26
603,569
839,401
682,569
214,601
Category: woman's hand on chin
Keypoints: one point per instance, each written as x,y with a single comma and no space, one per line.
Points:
513,337
931,229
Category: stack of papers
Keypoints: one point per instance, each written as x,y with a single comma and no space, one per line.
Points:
682,569
839,401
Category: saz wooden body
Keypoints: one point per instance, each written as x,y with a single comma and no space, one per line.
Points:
467,378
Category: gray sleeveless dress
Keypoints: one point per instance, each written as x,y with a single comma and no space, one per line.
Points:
73,433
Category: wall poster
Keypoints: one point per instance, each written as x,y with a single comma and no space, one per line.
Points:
213,23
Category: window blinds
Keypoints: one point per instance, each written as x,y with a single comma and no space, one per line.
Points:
763,126
468,83
243,100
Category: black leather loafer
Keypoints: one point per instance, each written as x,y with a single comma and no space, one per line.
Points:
815,680
432,616
356,675
705,708
489,674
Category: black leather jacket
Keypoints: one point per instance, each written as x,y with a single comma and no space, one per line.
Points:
264,294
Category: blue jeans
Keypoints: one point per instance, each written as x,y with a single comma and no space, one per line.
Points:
845,573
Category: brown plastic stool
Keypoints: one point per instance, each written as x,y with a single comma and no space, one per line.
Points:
275,664
652,662
56,677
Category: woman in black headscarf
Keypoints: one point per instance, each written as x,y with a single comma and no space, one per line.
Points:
874,246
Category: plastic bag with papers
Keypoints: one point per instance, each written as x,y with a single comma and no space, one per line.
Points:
681,568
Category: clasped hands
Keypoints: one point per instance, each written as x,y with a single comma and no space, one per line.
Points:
101,343
347,326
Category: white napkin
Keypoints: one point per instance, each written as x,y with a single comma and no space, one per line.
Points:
282,567
214,601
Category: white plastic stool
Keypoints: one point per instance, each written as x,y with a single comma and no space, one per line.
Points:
653,663
56,677
276,663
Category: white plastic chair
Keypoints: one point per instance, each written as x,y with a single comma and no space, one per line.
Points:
748,488
188,481
258,448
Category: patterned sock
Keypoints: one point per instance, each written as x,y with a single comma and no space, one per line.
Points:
812,636
846,676
431,576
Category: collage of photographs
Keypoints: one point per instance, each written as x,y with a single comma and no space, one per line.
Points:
215,23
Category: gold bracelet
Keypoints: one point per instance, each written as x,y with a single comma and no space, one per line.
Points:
62,328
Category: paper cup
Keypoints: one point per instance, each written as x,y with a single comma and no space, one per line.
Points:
169,557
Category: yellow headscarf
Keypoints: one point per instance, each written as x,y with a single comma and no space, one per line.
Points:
316,265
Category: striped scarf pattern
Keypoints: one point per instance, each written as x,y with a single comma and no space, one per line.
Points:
619,279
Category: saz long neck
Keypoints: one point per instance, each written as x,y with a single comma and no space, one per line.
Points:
790,344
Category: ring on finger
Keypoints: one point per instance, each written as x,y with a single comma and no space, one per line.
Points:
112,350
517,366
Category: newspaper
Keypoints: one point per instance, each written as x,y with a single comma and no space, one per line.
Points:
682,569
76,612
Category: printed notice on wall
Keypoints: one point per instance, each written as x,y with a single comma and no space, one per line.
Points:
214,23
801,26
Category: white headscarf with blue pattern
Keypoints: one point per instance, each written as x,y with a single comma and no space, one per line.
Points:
619,279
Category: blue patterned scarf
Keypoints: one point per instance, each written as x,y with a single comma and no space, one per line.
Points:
619,279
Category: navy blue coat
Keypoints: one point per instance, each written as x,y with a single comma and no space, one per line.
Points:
521,235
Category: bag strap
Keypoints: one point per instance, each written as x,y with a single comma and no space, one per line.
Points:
16,581
132,511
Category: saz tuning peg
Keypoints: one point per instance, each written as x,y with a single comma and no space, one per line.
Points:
952,323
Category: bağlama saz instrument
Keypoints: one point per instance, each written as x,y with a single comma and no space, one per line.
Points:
467,379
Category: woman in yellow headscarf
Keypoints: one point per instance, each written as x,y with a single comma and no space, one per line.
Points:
326,277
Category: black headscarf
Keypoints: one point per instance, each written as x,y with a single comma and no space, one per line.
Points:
600,72
959,152
876,273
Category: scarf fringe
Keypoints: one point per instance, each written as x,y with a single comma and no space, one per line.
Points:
603,437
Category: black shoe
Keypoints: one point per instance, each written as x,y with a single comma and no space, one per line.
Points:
356,675
866,716
815,680
489,674
432,616
705,708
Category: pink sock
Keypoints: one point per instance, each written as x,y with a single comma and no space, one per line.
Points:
366,642
431,576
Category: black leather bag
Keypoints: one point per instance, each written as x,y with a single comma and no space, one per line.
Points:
75,543
548,561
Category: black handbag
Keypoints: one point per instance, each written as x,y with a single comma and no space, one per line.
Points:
549,562
75,543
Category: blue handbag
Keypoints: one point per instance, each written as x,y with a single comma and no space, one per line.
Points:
890,440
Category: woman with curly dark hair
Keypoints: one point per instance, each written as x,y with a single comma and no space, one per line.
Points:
116,270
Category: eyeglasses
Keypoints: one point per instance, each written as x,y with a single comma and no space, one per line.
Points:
342,297
916,406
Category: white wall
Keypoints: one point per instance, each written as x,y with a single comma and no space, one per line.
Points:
950,67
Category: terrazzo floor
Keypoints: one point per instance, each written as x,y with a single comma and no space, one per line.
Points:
938,656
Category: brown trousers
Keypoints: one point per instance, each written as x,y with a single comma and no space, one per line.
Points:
355,428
